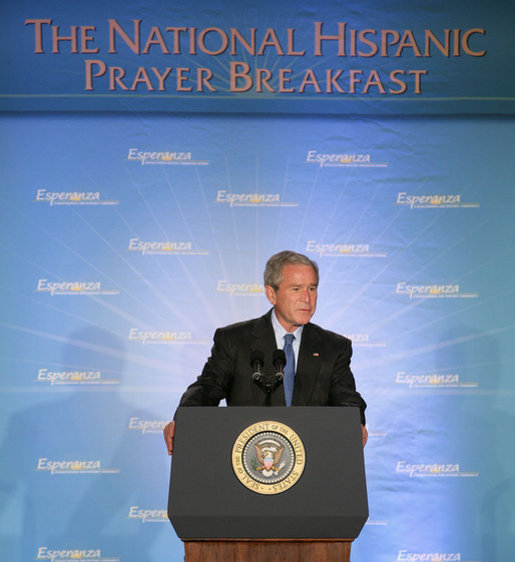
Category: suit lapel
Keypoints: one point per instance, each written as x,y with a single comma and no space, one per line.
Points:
264,337
308,367
264,340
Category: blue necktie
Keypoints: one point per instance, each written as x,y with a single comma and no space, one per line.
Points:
289,369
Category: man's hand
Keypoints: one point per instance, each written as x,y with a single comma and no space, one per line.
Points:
364,434
168,433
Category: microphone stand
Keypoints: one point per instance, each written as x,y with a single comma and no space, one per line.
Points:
267,383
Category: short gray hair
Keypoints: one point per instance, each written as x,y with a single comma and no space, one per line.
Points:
274,266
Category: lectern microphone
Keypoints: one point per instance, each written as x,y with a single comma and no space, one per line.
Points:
279,361
267,383
257,361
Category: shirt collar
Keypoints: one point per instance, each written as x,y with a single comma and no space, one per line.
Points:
280,332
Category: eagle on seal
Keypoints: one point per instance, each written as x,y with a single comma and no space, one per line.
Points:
269,457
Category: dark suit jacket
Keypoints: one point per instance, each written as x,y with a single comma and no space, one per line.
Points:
323,376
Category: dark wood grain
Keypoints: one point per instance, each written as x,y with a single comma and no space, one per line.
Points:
269,550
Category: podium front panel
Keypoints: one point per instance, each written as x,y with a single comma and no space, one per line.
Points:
207,500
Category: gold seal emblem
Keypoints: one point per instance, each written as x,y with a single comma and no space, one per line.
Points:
268,457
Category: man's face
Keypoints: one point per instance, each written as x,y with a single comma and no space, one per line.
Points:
295,299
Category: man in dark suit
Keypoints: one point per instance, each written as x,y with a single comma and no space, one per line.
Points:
317,371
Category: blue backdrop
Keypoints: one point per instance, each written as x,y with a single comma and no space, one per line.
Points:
129,236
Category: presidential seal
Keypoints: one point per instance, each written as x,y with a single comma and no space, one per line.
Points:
268,457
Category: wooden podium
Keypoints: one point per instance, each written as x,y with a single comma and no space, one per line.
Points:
220,513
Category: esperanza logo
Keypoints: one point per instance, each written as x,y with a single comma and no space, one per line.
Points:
148,515
72,198
156,336
73,467
432,291
164,247
146,426
73,288
433,201
342,250
240,289
432,470
352,160
146,157
252,199
72,377
363,340
432,380
407,556
92,555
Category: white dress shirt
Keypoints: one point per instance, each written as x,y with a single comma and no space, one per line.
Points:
280,332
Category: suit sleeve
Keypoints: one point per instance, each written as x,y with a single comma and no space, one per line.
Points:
342,391
214,383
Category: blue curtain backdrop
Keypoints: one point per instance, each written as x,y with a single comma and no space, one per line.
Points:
133,225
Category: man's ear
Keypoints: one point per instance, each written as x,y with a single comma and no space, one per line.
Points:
270,294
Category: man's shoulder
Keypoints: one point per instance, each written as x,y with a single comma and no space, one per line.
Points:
314,330
246,326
